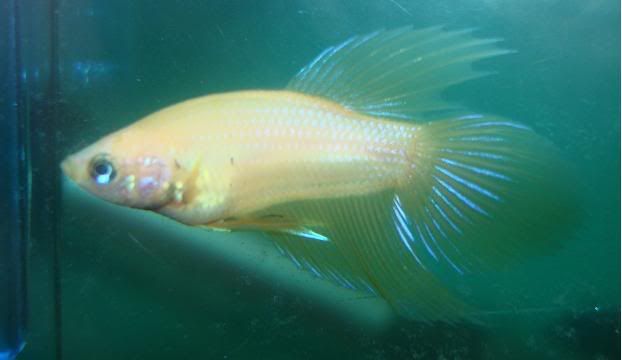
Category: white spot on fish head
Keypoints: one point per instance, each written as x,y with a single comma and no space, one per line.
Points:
147,185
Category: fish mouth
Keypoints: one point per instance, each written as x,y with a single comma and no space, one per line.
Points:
67,166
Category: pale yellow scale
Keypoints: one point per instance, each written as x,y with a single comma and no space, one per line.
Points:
251,150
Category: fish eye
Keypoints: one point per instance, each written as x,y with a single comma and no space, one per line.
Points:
102,170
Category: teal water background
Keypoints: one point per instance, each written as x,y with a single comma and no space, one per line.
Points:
152,299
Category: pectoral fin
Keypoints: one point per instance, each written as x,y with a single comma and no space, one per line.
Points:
278,224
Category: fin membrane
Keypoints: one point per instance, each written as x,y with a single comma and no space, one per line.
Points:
396,73
484,192
367,251
480,193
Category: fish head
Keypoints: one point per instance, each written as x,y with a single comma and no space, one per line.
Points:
119,169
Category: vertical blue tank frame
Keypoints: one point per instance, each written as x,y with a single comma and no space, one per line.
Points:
13,199
29,241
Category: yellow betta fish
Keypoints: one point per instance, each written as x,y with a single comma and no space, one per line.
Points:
358,170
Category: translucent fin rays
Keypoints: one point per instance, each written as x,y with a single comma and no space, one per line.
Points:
397,73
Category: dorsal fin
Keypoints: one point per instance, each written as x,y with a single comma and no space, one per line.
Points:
398,73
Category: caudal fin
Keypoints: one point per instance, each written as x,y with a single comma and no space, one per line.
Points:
485,191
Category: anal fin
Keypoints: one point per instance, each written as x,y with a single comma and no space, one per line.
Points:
368,250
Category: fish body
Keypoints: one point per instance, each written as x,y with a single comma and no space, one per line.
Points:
276,147
359,170
233,154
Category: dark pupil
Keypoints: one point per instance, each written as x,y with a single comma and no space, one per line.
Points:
103,168
102,171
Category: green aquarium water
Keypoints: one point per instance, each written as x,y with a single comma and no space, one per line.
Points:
99,281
